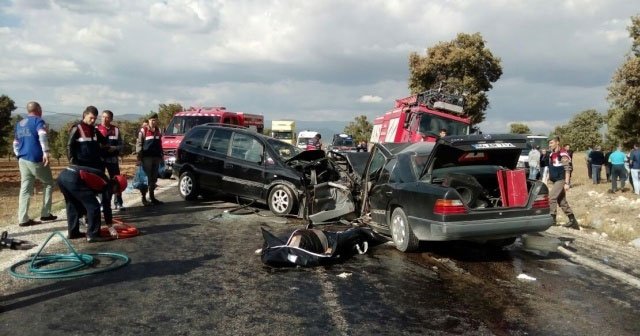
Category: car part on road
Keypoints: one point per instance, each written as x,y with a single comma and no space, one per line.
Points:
74,264
313,247
14,244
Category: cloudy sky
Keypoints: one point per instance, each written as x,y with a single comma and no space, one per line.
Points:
305,60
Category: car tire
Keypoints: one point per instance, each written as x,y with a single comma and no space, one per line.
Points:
188,186
401,232
281,200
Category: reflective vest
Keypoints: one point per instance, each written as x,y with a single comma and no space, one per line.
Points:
111,135
87,148
556,168
152,142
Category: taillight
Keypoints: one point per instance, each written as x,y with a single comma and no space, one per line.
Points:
541,202
449,207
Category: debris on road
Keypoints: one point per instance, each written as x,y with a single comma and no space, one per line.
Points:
524,277
344,275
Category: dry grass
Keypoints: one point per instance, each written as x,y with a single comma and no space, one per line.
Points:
617,215
10,188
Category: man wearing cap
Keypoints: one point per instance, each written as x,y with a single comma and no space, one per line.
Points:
79,186
149,149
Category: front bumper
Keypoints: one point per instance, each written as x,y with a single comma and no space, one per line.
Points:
479,229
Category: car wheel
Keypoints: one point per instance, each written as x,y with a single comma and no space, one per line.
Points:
401,232
188,186
281,200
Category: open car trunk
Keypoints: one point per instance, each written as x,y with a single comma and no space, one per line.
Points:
481,170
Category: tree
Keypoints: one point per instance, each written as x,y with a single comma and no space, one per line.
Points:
166,112
7,105
518,128
360,129
14,120
464,66
623,117
582,131
58,146
129,131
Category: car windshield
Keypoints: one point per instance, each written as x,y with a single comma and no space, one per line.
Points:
283,149
182,124
344,142
433,124
284,135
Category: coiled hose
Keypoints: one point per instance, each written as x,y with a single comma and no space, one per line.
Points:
75,264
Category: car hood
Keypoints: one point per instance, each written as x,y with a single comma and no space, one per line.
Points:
309,155
478,149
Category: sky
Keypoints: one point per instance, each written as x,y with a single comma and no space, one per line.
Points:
304,60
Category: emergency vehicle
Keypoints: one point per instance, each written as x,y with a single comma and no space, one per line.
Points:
183,121
303,139
421,117
284,130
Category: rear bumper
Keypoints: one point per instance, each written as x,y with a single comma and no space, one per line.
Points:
480,229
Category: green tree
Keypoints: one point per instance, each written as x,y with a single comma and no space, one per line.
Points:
7,105
518,128
360,129
14,120
464,65
623,117
129,131
582,131
59,145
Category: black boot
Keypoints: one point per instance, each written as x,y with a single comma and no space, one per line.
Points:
152,197
144,199
572,223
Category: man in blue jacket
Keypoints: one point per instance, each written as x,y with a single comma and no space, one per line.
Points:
31,146
634,167
617,169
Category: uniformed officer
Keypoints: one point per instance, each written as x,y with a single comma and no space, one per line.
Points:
149,149
79,186
85,142
111,152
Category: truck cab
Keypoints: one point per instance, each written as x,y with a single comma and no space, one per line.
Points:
284,130
421,118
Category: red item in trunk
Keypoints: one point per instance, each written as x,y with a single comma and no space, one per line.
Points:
513,187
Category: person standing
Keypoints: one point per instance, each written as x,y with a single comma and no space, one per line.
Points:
567,148
607,165
111,153
544,166
315,142
617,159
31,147
596,159
534,163
79,186
85,142
559,174
149,149
634,166
587,159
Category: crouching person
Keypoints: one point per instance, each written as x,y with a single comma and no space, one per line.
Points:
79,185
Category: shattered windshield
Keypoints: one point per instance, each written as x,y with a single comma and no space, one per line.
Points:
283,149
433,124
182,124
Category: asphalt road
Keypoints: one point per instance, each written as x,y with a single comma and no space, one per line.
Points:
194,271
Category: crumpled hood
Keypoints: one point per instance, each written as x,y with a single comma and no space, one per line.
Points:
309,155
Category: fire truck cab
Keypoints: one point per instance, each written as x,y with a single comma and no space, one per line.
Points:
420,118
183,121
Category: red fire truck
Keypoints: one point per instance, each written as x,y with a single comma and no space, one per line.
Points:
183,121
421,117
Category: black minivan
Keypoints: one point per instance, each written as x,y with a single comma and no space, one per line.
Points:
239,161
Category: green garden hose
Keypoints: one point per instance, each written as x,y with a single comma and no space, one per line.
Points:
76,264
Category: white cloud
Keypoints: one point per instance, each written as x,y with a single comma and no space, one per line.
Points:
370,99
99,35
184,15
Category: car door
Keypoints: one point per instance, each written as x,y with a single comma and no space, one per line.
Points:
193,145
244,169
214,156
371,188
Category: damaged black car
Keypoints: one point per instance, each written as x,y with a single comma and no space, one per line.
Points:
458,188
238,161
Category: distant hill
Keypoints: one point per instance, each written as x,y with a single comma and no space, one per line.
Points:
326,128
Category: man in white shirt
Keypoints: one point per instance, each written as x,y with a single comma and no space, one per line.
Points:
534,163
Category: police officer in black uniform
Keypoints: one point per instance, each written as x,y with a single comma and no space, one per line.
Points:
149,149
85,142
79,186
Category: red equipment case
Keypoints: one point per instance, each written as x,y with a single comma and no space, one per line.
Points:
513,187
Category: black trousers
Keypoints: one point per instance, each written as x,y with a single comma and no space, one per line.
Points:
113,169
79,200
